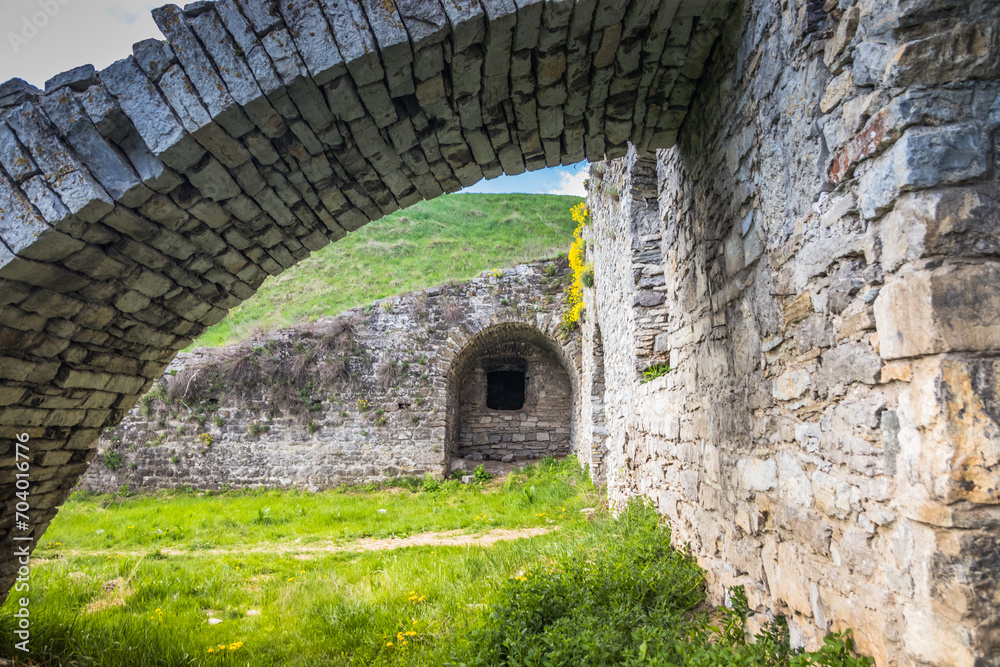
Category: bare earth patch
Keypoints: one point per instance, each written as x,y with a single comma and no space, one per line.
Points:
451,538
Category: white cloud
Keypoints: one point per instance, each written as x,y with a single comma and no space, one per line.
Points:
571,183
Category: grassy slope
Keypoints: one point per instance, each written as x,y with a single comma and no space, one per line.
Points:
451,238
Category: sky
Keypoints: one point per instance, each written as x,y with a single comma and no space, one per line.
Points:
41,38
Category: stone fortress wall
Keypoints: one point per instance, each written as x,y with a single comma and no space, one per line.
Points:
817,261
815,258
140,203
359,398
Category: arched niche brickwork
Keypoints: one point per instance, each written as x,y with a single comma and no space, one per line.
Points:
542,423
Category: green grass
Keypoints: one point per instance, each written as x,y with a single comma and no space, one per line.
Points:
108,563
133,581
451,238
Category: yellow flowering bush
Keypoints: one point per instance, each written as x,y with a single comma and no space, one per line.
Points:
582,270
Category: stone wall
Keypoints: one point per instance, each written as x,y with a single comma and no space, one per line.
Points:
359,398
142,202
818,263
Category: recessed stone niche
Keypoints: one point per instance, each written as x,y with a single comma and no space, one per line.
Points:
511,398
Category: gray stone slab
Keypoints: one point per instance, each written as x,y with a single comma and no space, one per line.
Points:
355,39
378,103
14,157
155,122
316,45
425,21
78,79
70,179
468,23
198,67
154,57
529,21
20,224
107,165
14,92
249,47
394,44
261,14
302,90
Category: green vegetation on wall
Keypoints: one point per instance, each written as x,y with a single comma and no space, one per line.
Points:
451,238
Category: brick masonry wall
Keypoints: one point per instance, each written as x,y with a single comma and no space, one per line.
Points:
828,226
399,361
541,427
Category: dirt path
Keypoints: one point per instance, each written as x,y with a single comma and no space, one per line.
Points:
451,538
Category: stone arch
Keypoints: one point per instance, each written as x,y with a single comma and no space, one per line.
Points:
545,424
139,204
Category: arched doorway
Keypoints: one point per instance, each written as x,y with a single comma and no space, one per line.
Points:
512,397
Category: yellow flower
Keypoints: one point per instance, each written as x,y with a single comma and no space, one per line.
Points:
388,643
291,578
211,650
411,633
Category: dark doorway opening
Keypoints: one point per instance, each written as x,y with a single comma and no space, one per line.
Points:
505,390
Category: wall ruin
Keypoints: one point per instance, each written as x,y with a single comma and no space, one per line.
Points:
817,262
816,259
361,398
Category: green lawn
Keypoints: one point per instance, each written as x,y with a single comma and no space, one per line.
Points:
505,574
451,238
134,581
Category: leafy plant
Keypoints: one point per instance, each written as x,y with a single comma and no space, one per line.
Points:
431,483
113,460
481,475
655,371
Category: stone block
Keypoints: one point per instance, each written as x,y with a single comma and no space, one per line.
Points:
78,190
922,158
757,475
152,117
791,384
941,310
853,362
77,79
945,222
962,50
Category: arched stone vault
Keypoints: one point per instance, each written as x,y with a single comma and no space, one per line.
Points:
551,408
140,203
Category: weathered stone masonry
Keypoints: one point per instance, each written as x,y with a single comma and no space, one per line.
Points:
369,395
140,203
818,263
816,258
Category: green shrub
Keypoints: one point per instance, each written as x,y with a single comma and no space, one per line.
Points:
481,475
655,371
630,599
589,609
431,483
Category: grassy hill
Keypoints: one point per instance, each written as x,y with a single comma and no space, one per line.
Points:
451,238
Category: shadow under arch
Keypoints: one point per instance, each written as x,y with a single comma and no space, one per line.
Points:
544,424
